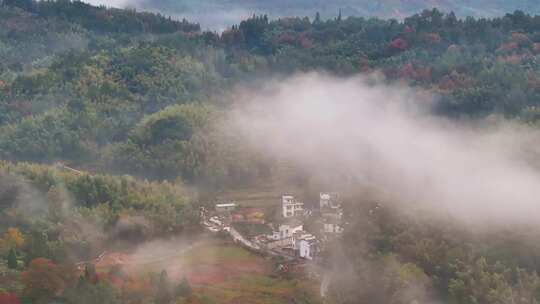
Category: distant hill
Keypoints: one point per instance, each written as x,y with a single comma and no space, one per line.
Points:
218,14
126,91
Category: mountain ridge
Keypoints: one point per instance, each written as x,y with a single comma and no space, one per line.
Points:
220,14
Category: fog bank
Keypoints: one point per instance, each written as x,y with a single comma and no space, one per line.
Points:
385,138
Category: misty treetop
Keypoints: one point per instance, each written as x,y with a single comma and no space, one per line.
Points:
64,216
52,217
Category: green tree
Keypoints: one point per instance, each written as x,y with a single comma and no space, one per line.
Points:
56,201
44,280
317,18
482,283
12,259
90,274
183,289
89,293
37,246
24,4
163,291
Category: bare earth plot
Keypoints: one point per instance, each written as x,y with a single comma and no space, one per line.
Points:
218,271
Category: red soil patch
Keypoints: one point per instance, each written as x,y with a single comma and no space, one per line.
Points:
112,259
218,273
202,273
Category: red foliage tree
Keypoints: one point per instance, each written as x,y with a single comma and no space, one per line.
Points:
452,81
433,38
508,47
521,39
533,82
408,29
286,38
44,280
305,41
409,71
399,44
9,298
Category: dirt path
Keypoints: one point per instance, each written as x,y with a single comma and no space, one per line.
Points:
237,237
325,282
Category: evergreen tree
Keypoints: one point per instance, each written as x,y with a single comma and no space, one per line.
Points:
317,18
90,274
24,4
12,259
163,294
183,289
38,247
101,292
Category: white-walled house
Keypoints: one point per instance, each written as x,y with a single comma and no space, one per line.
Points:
287,229
291,207
332,221
225,207
306,245
333,228
308,249
329,200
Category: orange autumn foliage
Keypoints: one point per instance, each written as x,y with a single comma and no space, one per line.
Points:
44,279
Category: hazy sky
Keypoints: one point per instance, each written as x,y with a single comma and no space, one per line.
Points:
217,15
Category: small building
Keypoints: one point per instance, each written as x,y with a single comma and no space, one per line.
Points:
291,207
332,214
215,220
225,207
286,229
332,227
332,220
329,200
306,245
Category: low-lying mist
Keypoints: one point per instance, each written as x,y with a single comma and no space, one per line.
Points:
211,16
385,137
113,3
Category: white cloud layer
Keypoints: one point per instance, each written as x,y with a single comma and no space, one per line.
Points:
385,138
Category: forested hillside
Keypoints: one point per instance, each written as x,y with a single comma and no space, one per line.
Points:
115,92
85,102
381,8
52,218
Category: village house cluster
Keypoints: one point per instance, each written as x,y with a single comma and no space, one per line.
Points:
286,235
